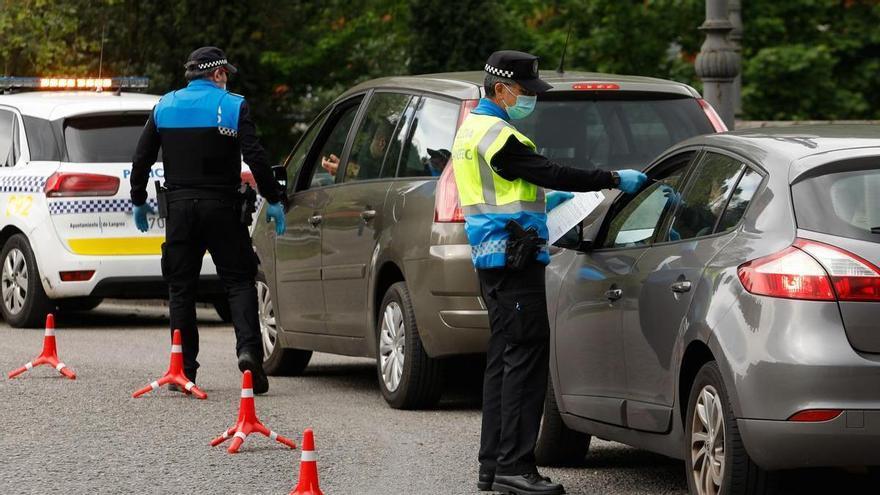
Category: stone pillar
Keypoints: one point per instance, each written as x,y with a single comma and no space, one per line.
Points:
717,63
736,36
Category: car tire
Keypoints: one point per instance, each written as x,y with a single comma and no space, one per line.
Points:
417,381
78,303
739,475
19,273
221,306
559,445
277,360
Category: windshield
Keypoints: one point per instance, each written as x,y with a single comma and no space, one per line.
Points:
103,139
620,130
846,203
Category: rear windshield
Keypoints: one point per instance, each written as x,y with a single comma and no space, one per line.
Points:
105,138
844,203
619,130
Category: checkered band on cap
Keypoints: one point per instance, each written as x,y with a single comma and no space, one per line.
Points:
498,72
216,63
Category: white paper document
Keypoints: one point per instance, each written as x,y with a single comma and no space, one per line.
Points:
565,216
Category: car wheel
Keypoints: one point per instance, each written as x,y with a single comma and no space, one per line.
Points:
78,303
408,377
716,460
558,445
221,306
277,360
24,303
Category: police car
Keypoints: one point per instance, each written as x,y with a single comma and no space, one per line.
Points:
68,238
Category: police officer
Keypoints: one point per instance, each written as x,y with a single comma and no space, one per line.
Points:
500,179
204,131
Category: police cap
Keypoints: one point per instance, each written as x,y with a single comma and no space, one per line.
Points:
520,66
209,57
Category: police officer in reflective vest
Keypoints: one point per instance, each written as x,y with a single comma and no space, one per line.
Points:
204,132
500,181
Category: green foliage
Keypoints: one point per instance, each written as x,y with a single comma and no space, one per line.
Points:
813,59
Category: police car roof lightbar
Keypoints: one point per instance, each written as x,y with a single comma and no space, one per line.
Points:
73,83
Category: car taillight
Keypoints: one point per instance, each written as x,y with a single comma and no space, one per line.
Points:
812,271
76,276
853,278
815,415
248,178
446,205
63,184
466,107
712,115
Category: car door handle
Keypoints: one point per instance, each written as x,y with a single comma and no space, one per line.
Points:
315,220
613,294
368,215
681,286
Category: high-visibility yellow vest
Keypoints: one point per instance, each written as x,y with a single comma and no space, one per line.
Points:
488,200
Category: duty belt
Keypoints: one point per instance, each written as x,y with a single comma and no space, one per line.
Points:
200,193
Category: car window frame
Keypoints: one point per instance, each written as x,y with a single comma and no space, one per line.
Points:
365,106
321,119
749,164
667,161
333,115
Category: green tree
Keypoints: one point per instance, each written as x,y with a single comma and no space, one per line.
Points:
453,36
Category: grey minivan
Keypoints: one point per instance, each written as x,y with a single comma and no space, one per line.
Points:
728,313
375,261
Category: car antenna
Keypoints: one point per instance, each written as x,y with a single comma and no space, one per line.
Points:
101,59
561,69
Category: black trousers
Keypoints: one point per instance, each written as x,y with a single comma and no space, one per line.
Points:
192,227
517,364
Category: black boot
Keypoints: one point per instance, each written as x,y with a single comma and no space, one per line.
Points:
247,361
526,484
485,481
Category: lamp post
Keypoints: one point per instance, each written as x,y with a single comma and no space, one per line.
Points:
736,38
717,63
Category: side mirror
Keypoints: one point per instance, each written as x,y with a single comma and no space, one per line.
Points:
573,239
280,173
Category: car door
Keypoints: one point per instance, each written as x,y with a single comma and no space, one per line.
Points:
354,215
589,345
667,277
300,296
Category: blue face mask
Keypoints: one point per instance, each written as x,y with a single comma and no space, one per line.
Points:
524,106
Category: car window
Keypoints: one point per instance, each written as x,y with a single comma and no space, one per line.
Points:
844,201
706,196
739,201
370,150
103,139
431,136
611,131
7,124
297,157
332,146
636,223
401,137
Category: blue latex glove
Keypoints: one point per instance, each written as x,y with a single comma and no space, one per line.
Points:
556,198
276,212
140,216
631,180
673,198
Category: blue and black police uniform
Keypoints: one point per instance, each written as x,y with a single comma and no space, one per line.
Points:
204,132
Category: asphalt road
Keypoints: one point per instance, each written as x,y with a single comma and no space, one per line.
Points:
90,437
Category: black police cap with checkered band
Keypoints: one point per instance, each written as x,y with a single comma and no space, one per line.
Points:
519,66
209,57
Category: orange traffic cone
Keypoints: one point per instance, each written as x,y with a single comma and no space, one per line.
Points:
49,355
308,468
247,420
175,372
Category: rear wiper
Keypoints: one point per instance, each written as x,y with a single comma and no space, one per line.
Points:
875,230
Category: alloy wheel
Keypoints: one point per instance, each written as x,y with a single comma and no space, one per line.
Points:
392,344
268,327
14,281
707,442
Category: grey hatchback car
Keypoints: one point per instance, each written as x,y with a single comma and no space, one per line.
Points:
375,261
728,313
